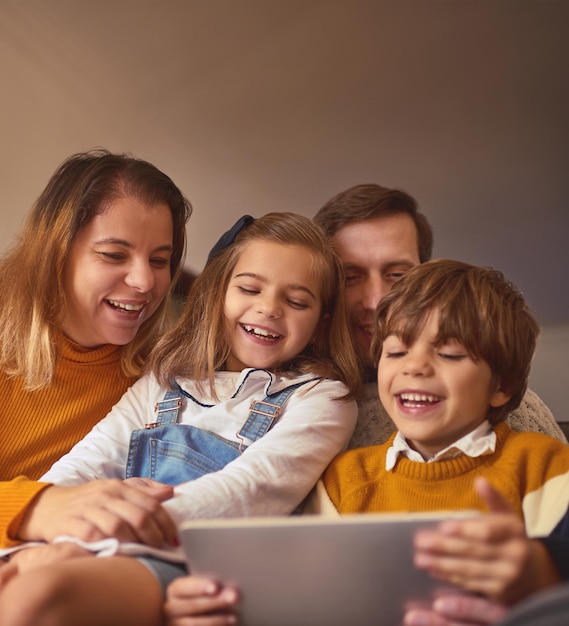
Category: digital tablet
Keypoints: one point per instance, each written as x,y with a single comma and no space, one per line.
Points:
354,570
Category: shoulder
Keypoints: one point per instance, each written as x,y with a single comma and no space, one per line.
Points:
374,426
353,472
533,415
357,463
534,447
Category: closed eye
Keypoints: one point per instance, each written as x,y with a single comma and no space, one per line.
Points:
297,305
452,357
247,291
113,256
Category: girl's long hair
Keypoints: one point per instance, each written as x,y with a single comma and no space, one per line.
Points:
31,273
198,344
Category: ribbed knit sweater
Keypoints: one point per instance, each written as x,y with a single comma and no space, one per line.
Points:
39,427
530,469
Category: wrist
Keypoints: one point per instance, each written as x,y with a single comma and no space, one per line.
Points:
29,527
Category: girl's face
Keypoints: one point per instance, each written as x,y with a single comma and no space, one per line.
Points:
434,394
272,305
117,273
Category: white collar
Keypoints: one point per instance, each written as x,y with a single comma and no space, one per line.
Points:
481,440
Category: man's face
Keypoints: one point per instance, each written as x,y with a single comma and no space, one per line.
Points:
375,253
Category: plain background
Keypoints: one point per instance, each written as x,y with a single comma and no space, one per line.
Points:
261,105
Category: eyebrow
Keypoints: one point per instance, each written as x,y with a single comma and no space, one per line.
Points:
292,286
394,263
127,244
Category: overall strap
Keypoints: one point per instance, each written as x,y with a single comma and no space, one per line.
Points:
264,413
167,410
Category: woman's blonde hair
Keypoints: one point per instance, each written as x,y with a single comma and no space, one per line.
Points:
478,307
198,344
31,273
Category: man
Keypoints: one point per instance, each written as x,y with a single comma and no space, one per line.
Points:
379,234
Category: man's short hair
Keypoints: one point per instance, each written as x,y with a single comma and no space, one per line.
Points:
365,202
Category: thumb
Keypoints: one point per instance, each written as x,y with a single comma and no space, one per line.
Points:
493,498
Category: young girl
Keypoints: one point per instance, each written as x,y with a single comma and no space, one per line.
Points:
249,399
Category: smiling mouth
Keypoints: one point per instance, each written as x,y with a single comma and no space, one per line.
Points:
260,333
125,308
418,400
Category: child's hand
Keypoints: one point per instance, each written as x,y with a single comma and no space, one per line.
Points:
490,554
193,601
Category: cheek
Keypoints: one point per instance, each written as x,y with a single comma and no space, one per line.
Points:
163,281
382,375
352,299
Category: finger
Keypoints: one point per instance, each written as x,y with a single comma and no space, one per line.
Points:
469,609
127,522
220,619
493,498
158,517
423,617
492,529
194,597
201,606
188,587
152,487
129,514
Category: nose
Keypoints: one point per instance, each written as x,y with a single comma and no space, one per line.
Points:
268,305
140,276
417,363
373,291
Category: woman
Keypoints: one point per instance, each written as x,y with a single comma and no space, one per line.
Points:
85,293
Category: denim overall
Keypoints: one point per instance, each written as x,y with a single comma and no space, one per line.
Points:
173,453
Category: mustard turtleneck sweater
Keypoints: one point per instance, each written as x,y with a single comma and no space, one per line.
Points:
530,469
39,427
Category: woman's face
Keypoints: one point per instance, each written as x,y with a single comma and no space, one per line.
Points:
117,272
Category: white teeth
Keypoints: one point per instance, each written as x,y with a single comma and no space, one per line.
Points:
126,307
418,397
260,331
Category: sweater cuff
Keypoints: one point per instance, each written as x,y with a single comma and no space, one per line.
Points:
16,497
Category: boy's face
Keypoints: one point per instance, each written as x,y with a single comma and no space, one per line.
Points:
434,394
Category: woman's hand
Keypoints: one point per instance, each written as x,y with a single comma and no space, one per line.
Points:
193,601
129,511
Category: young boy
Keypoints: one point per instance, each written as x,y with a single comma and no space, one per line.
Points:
454,345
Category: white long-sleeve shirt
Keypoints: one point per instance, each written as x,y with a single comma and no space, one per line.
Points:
273,475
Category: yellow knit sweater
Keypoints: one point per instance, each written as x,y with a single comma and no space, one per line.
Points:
38,427
530,469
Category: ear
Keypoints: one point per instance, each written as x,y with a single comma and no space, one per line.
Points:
499,398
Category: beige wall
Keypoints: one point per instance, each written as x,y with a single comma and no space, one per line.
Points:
256,105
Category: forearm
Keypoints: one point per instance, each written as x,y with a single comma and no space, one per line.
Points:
274,474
